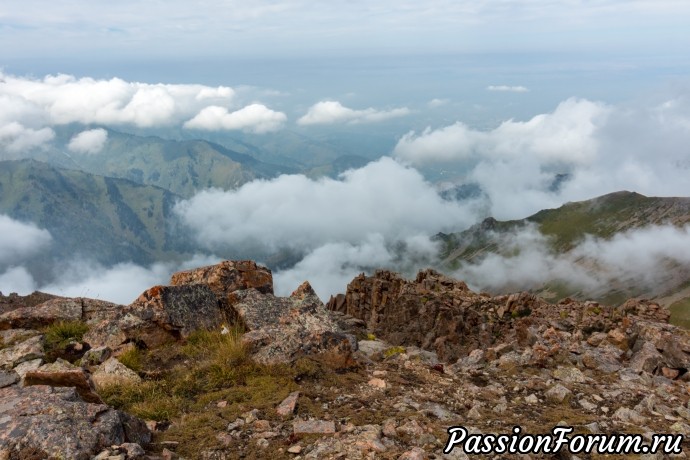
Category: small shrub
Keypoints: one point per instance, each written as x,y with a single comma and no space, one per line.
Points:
393,351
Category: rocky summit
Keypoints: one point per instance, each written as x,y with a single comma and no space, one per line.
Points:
215,366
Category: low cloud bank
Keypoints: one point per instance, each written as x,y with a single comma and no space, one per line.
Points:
653,258
20,240
255,118
361,220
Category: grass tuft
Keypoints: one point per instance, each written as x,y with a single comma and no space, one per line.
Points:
60,333
133,359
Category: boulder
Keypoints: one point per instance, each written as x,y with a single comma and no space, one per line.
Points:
57,423
646,359
113,372
18,353
96,356
227,277
281,329
163,313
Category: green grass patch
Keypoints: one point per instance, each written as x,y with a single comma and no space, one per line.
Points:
214,363
680,313
60,333
132,358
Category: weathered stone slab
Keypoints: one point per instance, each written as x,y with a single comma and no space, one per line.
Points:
287,407
63,374
313,427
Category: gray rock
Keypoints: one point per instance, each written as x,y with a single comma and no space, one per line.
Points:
647,359
113,372
569,374
57,423
558,394
96,356
8,378
27,350
284,329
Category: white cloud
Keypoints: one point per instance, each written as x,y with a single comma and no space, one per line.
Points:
636,258
29,107
566,134
20,240
507,89
90,141
330,112
330,267
341,227
254,118
434,103
16,137
66,99
297,212
600,148
17,279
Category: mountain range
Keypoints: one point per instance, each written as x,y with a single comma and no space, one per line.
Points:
126,191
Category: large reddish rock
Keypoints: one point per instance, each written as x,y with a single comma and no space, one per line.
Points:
227,277
433,311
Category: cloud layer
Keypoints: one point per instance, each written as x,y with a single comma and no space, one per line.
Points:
340,226
254,118
595,148
331,112
647,258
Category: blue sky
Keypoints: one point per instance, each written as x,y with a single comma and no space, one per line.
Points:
270,28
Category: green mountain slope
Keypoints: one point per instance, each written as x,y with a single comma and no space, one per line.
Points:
568,225
107,219
603,217
181,167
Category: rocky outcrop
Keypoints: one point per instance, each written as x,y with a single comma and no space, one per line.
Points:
281,329
47,422
437,313
433,312
228,277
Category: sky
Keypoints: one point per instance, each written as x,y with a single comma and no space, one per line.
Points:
289,28
502,94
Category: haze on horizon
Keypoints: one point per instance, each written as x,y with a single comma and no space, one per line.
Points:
504,94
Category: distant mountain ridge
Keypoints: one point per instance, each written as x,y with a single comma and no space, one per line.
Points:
566,226
106,219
